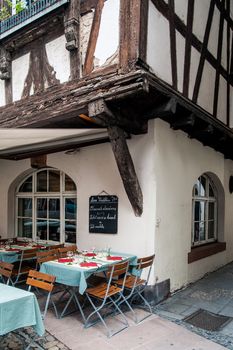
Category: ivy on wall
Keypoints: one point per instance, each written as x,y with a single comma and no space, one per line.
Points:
9,8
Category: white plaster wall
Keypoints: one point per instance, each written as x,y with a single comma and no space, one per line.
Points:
179,161
201,9
20,68
206,91
158,47
94,169
59,58
2,93
181,7
222,100
180,44
108,38
195,57
231,107
85,29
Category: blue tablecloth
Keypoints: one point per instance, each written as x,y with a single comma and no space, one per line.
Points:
74,275
18,309
9,257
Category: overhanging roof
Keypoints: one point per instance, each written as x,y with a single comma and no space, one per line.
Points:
24,143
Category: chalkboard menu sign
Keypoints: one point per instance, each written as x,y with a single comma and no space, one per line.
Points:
103,214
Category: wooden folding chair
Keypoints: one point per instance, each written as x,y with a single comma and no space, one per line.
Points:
46,255
108,295
63,251
55,246
6,271
44,282
135,285
27,261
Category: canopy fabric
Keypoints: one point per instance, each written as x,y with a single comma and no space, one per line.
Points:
17,142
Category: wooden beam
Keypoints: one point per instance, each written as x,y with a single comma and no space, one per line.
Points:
173,43
164,110
126,168
203,52
183,122
89,60
143,29
219,58
188,46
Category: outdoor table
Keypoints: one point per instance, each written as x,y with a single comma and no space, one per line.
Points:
75,276
19,309
11,256
72,274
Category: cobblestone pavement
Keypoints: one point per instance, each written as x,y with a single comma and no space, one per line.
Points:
19,340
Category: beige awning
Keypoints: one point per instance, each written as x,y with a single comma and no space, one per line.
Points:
24,143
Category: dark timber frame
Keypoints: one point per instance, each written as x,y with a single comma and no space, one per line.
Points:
120,97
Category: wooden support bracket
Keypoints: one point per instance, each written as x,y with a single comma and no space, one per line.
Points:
126,168
99,111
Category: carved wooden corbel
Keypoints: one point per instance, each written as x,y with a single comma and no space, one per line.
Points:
71,34
5,64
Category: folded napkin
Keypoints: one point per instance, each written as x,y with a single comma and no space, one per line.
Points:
38,246
64,260
90,254
114,258
88,264
12,250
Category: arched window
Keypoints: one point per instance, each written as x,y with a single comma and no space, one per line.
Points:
46,207
205,211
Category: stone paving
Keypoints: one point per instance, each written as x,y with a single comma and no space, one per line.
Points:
18,340
213,293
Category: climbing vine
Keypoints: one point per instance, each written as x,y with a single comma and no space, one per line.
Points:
7,10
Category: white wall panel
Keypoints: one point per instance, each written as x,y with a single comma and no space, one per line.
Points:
213,38
201,9
158,48
59,58
108,39
222,101
2,93
195,58
180,50
20,68
206,92
181,7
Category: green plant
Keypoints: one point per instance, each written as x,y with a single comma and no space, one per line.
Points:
6,11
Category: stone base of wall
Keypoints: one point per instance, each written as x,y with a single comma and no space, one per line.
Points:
158,292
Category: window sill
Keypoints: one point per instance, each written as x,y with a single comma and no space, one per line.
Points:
204,251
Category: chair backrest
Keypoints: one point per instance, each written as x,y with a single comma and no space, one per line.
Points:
45,282
117,270
29,254
63,251
6,271
145,262
55,246
47,255
40,280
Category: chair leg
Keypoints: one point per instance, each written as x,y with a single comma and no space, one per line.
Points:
96,311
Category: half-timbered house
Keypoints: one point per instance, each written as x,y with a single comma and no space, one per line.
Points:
127,99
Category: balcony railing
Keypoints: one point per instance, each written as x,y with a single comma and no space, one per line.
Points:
32,11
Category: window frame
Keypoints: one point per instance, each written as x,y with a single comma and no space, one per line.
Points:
62,195
206,199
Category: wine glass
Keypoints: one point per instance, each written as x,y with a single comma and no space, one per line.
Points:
70,254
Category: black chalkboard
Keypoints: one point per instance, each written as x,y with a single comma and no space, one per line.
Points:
103,214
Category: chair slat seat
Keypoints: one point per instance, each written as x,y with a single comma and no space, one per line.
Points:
130,281
100,291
